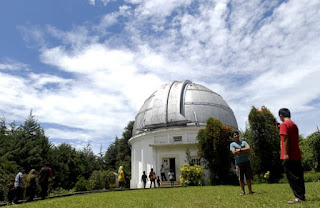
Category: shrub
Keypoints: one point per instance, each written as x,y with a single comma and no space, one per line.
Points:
312,177
100,180
81,185
191,175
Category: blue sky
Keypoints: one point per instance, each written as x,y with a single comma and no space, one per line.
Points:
85,67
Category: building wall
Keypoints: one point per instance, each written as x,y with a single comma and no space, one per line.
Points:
149,148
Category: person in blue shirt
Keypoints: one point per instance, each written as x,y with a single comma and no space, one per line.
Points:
240,150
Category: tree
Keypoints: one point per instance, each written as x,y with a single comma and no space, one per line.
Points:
26,145
67,165
263,138
119,153
214,142
310,147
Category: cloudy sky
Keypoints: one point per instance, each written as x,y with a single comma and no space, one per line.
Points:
85,67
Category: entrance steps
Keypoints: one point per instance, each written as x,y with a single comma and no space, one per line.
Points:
167,184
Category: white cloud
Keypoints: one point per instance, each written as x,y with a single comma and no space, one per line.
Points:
12,65
92,2
252,53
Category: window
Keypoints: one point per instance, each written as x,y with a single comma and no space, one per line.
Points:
196,160
177,138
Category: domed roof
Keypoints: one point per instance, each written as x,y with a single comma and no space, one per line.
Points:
182,103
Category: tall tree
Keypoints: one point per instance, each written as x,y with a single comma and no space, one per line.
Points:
214,142
310,147
263,138
119,153
67,165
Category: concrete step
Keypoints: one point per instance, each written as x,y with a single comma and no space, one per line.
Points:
168,184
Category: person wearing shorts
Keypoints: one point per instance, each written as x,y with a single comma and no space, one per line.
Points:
240,151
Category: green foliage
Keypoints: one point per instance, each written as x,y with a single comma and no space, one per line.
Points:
310,147
188,156
263,138
191,175
4,183
81,185
60,191
27,146
214,142
119,154
312,176
100,180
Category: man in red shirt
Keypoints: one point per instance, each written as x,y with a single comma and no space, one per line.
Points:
44,175
291,155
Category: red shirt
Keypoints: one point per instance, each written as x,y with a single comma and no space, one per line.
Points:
290,129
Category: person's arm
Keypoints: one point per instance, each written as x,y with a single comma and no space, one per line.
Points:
246,149
234,150
285,147
20,179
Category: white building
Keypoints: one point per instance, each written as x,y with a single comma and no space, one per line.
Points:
168,123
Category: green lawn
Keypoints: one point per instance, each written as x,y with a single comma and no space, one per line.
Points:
267,195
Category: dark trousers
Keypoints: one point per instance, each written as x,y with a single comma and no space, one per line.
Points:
294,172
30,193
19,195
154,183
163,175
11,195
44,190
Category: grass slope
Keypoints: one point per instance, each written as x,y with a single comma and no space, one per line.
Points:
267,195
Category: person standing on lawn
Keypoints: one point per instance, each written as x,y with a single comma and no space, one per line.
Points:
152,178
144,178
44,174
18,184
240,151
291,155
121,177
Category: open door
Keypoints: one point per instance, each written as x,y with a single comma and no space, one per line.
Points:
168,164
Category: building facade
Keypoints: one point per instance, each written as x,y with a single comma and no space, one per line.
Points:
168,123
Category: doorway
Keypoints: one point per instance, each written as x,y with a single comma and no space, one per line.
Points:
169,164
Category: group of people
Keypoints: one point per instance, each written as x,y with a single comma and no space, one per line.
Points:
290,156
153,178
17,186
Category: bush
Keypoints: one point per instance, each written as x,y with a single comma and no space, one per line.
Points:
312,177
191,175
81,185
100,180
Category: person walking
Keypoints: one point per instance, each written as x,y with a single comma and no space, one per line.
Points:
121,177
152,178
44,174
163,174
171,177
144,179
291,155
240,151
18,184
31,185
